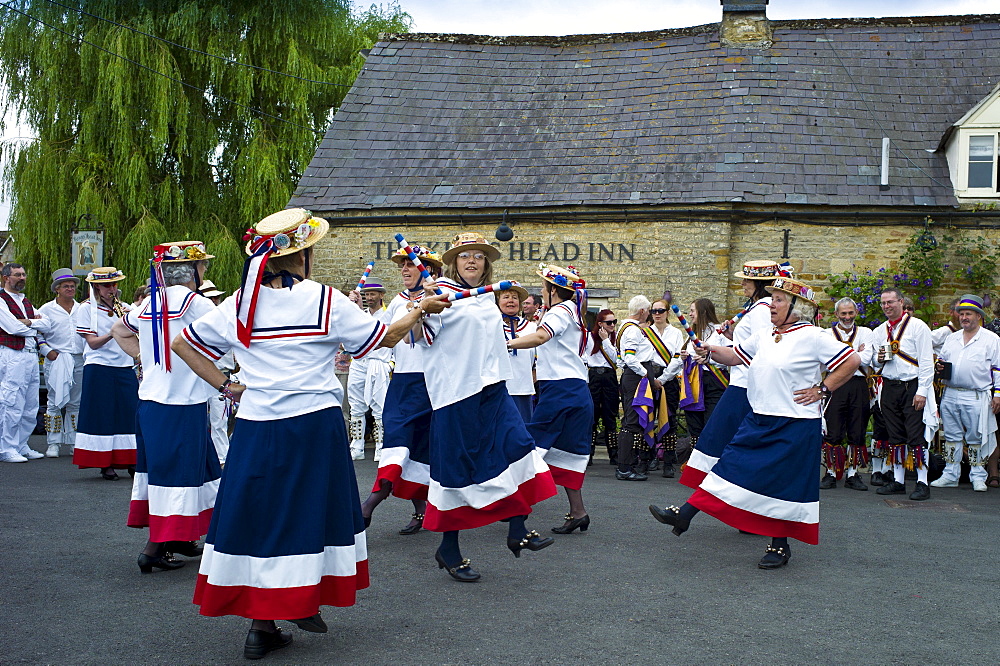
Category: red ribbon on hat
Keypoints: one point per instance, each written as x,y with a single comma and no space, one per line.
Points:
260,251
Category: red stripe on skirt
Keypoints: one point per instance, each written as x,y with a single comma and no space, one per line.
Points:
753,522
285,603
401,488
117,458
692,477
536,489
567,478
168,528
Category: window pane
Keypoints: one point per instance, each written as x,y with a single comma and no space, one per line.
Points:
980,148
981,161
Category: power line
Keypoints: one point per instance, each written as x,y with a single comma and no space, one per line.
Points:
187,48
159,73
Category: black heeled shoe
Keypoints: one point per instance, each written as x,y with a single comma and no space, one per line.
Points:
415,527
670,516
109,474
313,623
260,642
462,572
573,523
185,548
775,558
532,541
147,563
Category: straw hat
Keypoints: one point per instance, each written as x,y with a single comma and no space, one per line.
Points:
793,288
209,290
516,287
372,284
759,270
561,277
291,230
63,275
470,241
426,256
178,251
971,302
105,275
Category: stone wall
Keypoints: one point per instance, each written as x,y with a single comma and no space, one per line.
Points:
690,256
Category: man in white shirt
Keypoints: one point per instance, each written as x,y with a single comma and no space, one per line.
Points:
62,350
969,361
18,366
636,352
848,410
905,361
368,379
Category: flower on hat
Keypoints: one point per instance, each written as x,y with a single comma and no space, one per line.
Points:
175,251
196,252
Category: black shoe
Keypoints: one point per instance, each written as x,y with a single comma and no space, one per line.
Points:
921,493
313,623
668,471
164,562
670,516
185,548
828,481
462,572
109,474
573,523
654,465
877,479
417,523
775,558
892,488
630,476
260,642
855,483
532,541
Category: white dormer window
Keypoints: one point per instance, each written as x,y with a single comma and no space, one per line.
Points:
982,162
972,146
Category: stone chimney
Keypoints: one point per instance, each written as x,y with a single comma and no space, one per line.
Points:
744,24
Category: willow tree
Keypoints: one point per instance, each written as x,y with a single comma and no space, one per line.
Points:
169,119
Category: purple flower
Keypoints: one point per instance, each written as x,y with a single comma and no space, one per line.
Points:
880,282
922,298
870,299
928,282
857,290
914,282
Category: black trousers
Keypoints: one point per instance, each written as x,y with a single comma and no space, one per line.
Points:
848,413
630,418
604,389
903,424
713,390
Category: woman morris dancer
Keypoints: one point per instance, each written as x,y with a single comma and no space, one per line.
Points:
564,415
521,386
404,467
484,465
287,534
177,467
733,406
765,480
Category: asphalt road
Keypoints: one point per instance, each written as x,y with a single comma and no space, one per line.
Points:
894,582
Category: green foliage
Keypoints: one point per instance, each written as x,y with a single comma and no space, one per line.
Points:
921,271
864,288
153,159
975,262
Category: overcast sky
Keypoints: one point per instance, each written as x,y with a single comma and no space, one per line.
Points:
567,17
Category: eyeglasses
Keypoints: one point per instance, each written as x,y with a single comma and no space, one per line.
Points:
890,301
610,321
658,311
478,256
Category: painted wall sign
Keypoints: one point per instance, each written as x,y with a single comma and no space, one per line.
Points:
535,251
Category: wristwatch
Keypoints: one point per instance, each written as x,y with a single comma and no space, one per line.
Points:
824,391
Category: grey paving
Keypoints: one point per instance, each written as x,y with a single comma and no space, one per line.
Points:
655,118
899,583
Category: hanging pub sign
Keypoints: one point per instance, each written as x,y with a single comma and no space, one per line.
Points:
87,251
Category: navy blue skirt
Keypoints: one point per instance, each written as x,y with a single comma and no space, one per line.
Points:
733,407
176,472
287,534
405,459
106,424
561,425
484,464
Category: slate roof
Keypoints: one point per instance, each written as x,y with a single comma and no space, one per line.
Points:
671,117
